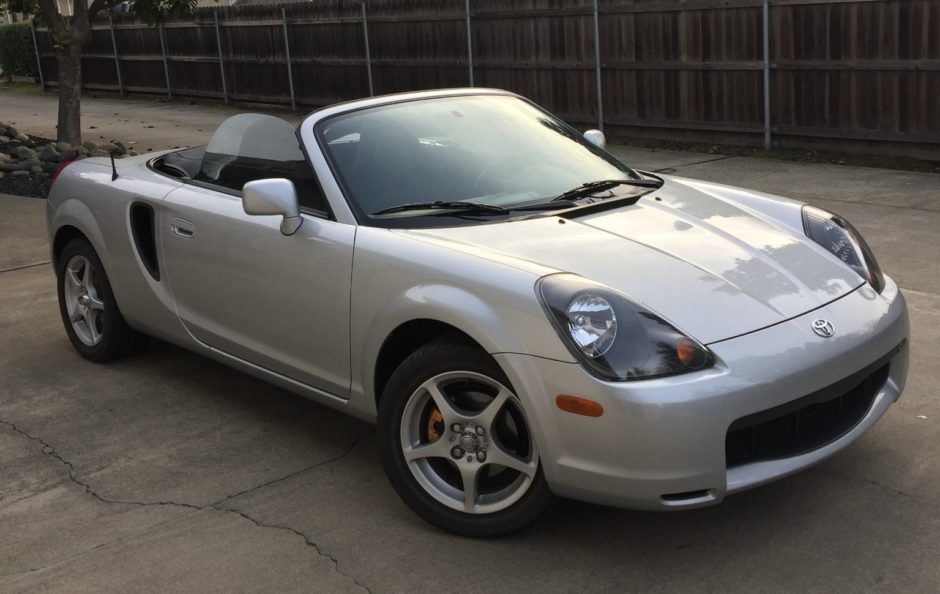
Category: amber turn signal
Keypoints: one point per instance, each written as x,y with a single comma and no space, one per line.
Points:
690,354
579,406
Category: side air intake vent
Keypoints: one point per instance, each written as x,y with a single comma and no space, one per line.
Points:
143,230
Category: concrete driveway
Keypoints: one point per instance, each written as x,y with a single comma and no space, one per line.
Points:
168,472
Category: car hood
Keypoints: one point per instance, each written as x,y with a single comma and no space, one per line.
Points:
713,268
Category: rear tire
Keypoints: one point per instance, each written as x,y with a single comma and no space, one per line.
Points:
478,398
92,320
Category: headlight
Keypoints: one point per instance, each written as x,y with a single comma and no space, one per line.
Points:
614,338
839,237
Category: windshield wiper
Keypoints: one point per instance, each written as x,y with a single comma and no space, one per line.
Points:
594,187
464,207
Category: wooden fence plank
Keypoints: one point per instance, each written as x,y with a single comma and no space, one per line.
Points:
865,71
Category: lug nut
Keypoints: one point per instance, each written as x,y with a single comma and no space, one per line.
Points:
456,428
481,456
480,430
457,452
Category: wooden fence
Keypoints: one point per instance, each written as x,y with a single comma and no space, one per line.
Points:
859,74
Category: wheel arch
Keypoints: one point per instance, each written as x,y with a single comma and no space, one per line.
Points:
63,236
73,219
404,340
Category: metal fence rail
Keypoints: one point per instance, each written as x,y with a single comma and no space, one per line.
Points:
800,72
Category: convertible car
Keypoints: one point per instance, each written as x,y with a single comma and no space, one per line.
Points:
519,313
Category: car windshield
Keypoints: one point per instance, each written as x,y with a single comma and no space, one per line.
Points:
492,150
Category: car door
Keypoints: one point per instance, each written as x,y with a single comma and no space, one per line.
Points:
241,286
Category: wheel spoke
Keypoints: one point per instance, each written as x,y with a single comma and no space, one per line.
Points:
73,278
469,474
91,317
89,285
75,312
95,303
487,416
446,409
497,455
435,449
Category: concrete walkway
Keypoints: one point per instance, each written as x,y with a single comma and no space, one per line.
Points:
168,472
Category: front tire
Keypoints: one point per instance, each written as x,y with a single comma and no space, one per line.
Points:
456,444
93,322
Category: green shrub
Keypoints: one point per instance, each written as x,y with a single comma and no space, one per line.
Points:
17,54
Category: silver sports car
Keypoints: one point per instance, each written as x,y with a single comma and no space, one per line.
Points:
518,312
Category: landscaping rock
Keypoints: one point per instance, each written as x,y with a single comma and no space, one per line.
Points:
23,152
69,154
99,153
62,146
132,153
11,131
48,153
4,139
35,169
82,151
21,138
89,145
109,148
20,173
28,164
122,150
5,157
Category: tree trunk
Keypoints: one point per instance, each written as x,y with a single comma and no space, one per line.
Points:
69,63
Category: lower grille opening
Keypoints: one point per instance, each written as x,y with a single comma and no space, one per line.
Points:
808,423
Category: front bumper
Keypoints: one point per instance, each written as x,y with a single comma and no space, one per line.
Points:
660,443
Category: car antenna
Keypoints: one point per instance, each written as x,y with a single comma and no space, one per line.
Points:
114,174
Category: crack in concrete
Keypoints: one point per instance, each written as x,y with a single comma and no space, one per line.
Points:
874,483
676,167
900,492
307,541
300,471
48,450
51,452
25,266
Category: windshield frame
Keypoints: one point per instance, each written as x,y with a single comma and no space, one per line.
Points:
438,218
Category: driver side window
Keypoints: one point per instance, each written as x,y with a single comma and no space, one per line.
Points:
248,147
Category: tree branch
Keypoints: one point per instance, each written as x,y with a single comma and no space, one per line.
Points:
50,12
99,5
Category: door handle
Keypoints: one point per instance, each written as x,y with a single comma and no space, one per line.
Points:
182,228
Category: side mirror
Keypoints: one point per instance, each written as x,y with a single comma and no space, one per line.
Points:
275,196
596,137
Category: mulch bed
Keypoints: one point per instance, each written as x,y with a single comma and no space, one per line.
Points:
28,185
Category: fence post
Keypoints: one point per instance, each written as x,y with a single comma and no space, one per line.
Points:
218,41
365,35
766,27
117,63
290,70
42,81
597,70
166,65
469,43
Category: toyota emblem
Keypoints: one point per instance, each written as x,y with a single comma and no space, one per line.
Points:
823,328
